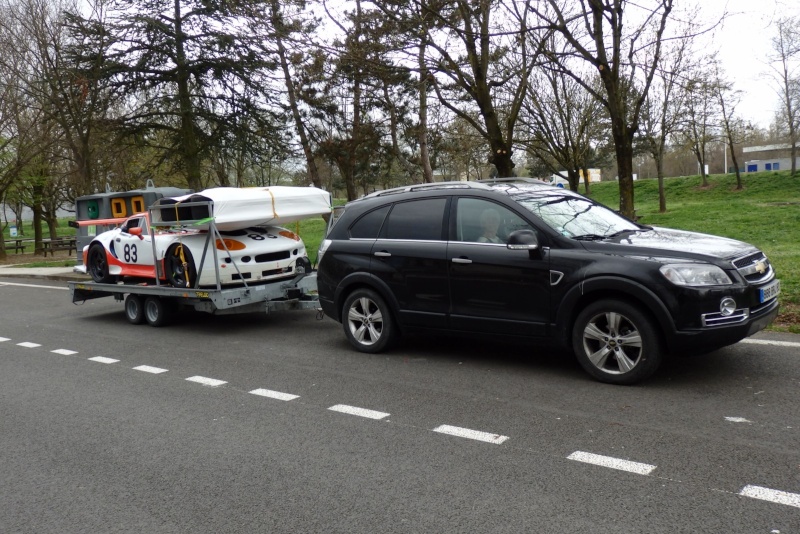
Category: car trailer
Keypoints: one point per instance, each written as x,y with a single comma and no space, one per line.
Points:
156,304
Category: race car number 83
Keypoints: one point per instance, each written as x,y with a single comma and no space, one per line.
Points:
129,253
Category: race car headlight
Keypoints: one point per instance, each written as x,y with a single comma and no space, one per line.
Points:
695,274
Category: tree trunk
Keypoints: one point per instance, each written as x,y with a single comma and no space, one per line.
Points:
313,172
425,159
191,152
36,208
662,196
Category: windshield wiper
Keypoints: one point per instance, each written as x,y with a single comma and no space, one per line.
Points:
588,237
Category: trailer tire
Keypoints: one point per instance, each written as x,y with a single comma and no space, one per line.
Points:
134,309
156,311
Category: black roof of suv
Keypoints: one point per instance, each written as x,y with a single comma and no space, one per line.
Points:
529,260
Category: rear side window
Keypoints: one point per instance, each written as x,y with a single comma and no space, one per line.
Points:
368,226
420,220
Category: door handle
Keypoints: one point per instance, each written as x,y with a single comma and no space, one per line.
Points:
462,260
383,254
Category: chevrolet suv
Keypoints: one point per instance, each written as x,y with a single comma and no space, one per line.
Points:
534,261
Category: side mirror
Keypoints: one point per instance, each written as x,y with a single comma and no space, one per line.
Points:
137,232
523,240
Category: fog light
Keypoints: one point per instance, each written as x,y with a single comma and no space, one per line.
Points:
727,306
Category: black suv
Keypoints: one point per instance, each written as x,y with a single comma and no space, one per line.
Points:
531,260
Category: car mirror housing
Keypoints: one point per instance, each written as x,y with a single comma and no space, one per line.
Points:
523,240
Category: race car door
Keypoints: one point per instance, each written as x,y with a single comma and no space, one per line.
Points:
494,289
135,249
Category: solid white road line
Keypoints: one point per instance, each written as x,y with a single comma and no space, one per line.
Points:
148,369
206,381
65,352
28,345
103,359
361,412
274,394
613,463
488,437
766,494
31,285
768,342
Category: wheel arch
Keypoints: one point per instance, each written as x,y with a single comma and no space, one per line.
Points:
358,280
612,287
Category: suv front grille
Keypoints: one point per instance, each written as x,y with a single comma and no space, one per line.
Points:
755,268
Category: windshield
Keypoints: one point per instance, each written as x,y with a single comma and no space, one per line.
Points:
575,216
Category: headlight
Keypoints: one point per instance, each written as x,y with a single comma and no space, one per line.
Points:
693,274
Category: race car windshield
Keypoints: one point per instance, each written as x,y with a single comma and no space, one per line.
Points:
575,216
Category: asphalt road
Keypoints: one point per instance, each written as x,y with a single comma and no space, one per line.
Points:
271,423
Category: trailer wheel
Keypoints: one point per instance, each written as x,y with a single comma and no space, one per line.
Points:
368,321
134,309
156,311
98,265
178,274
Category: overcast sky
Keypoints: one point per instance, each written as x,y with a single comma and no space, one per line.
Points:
743,42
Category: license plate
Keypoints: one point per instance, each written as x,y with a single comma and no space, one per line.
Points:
769,292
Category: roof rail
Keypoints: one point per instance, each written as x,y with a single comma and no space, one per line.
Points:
428,187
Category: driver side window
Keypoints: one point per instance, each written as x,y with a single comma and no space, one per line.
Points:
482,221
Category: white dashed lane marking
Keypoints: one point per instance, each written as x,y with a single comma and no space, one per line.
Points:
613,463
151,370
361,412
206,381
28,345
103,359
766,494
4,339
274,394
488,437
65,352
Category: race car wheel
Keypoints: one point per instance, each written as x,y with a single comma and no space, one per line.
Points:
367,321
178,274
98,265
156,311
134,309
616,342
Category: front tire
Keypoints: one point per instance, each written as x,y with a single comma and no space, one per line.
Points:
367,321
617,342
134,309
98,265
178,273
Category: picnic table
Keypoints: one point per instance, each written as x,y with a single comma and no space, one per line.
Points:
61,243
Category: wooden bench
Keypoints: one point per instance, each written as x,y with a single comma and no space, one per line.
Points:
54,245
17,245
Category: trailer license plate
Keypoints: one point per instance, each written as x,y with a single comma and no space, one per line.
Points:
769,292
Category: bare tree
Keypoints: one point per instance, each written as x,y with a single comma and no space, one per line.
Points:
700,122
733,127
622,40
786,73
562,120
664,105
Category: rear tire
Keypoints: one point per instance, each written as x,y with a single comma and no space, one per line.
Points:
156,311
617,342
367,321
176,273
98,264
134,309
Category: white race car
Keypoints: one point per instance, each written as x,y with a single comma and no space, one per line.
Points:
254,254
249,249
